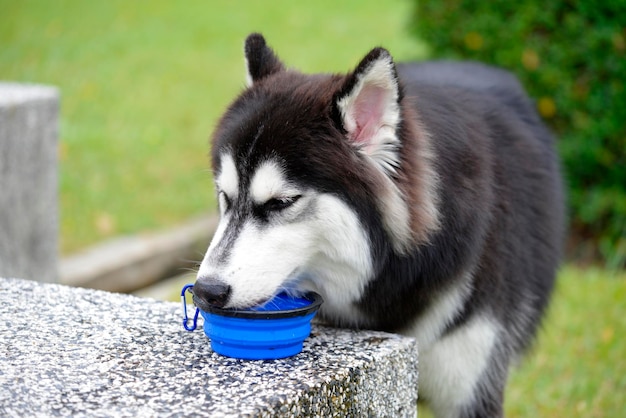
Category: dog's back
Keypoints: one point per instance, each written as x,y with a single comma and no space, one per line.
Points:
479,78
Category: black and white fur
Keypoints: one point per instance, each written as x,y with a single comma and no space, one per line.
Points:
423,199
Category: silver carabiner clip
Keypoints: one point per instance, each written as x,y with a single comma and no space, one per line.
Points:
185,316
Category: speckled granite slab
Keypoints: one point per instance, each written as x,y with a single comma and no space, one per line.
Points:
75,352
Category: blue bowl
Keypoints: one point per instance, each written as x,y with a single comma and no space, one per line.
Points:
274,330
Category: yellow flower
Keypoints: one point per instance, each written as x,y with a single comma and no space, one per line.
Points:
473,41
546,107
530,60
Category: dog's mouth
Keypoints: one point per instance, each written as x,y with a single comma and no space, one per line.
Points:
230,305
202,304
292,287
260,304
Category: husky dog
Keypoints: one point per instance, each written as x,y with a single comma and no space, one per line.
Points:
423,199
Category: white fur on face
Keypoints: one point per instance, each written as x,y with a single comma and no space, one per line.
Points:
265,260
228,179
342,266
316,244
269,182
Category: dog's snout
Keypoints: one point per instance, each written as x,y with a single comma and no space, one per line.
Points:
212,291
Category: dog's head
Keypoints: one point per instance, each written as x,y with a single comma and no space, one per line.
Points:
306,168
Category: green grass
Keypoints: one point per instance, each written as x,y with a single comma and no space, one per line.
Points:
578,367
144,82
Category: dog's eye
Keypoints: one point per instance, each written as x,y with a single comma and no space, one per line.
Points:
279,203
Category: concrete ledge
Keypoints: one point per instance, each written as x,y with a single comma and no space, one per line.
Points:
80,352
129,263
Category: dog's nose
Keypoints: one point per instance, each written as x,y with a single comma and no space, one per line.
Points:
212,291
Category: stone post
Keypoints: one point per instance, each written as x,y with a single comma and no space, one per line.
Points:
28,181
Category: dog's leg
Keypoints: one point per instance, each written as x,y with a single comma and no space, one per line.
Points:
463,374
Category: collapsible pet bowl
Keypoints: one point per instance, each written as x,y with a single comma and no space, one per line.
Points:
274,330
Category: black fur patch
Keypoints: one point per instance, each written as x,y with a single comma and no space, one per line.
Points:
261,59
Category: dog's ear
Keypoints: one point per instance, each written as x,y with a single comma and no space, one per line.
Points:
260,59
367,108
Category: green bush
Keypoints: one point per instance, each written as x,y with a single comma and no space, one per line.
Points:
571,56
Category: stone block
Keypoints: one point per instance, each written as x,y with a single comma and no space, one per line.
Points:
82,352
28,181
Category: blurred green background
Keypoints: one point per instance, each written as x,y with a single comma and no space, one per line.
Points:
571,56
143,83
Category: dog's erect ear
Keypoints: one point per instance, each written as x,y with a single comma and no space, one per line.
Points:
367,108
260,59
